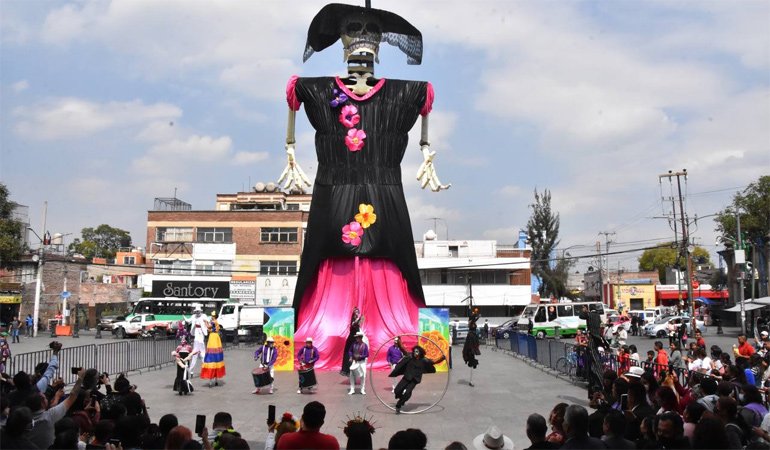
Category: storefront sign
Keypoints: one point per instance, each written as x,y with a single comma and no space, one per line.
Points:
191,289
10,299
243,290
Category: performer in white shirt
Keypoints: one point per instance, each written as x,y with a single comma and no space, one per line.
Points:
199,329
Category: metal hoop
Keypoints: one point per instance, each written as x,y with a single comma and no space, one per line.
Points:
374,388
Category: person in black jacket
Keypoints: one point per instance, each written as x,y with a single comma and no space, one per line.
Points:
471,347
576,429
412,367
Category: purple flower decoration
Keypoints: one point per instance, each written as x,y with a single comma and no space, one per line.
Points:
339,98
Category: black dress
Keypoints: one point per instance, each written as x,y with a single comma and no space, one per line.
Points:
181,384
345,179
355,327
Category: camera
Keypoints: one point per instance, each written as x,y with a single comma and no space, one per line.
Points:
55,346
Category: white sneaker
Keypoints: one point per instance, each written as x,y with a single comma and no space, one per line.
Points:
351,391
270,391
256,391
363,391
299,391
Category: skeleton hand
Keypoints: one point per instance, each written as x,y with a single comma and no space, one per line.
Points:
293,176
426,174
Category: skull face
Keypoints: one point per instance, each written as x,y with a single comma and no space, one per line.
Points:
361,33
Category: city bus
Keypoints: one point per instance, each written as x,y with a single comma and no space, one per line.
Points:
172,309
546,317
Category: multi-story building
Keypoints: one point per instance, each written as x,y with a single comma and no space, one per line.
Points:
497,277
248,246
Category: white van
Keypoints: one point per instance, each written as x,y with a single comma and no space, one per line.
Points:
648,315
249,316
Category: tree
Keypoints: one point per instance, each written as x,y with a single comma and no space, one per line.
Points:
12,243
666,256
543,232
754,207
100,242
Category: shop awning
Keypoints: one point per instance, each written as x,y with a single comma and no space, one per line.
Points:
747,306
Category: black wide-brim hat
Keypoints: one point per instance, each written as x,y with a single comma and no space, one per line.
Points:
326,26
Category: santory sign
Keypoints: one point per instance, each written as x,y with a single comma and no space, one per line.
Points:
191,289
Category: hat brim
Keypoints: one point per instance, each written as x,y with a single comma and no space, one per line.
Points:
478,443
324,30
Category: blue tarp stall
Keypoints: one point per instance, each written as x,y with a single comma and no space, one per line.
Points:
708,301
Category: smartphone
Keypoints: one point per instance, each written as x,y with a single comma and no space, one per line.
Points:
115,442
270,413
75,370
624,402
200,422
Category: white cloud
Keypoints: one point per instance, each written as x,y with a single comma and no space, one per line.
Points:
249,157
70,118
20,86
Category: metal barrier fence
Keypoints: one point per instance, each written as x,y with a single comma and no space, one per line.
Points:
563,358
113,357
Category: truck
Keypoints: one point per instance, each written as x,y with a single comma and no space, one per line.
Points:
142,325
248,319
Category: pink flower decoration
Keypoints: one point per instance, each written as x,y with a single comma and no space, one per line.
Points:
351,233
349,116
355,139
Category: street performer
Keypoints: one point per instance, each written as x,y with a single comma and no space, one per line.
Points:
357,355
266,355
199,329
307,356
412,367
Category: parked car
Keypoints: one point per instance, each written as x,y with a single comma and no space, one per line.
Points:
507,329
461,333
141,324
623,321
659,328
106,322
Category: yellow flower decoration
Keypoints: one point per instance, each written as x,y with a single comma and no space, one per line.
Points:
366,215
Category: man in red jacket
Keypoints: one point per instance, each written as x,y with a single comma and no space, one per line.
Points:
309,435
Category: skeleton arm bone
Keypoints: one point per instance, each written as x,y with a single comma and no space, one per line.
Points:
426,174
293,175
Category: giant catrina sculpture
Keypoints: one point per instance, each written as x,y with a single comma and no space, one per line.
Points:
359,250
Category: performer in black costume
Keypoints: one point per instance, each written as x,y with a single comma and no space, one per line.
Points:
471,347
412,367
356,320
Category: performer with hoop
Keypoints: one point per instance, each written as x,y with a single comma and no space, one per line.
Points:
263,375
307,356
412,367
358,354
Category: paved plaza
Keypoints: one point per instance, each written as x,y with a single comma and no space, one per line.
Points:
507,390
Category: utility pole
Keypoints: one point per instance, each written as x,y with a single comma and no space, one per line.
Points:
607,241
743,263
684,245
39,281
601,270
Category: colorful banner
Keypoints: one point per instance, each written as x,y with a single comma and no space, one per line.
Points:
279,323
434,324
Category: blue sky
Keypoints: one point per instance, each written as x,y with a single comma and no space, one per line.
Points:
106,105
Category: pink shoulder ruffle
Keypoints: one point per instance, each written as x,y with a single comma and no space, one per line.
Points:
428,106
291,93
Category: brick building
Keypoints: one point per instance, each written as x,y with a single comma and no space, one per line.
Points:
251,239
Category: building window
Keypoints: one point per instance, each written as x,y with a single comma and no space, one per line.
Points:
174,234
215,235
129,260
278,267
278,235
217,268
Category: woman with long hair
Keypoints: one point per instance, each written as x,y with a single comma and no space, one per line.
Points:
356,321
556,419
